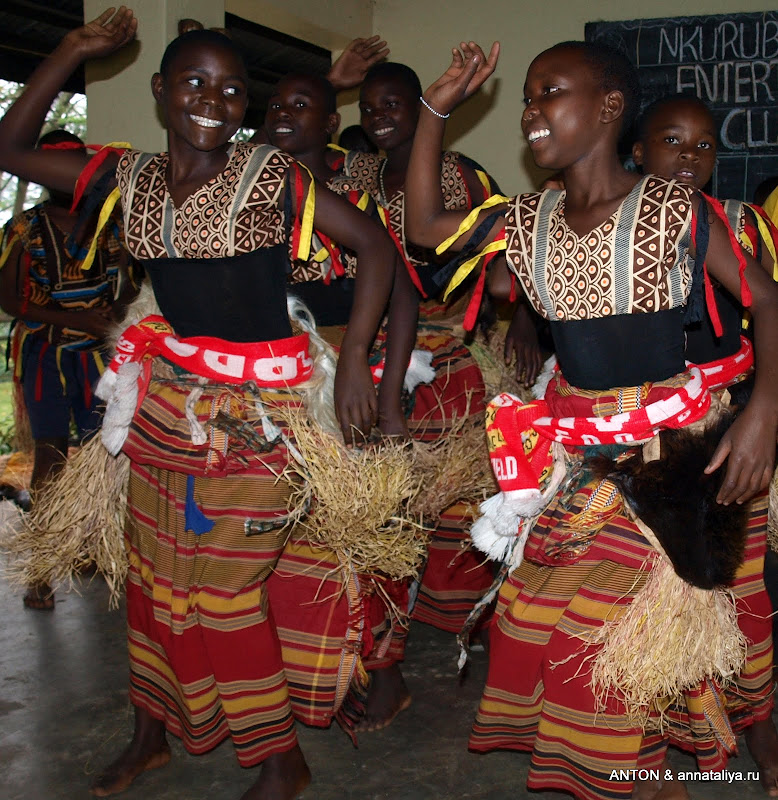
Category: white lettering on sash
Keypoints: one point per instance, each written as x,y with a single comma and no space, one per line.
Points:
280,368
505,469
305,360
225,363
180,348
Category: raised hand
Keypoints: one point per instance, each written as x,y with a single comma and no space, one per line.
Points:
111,31
468,71
353,63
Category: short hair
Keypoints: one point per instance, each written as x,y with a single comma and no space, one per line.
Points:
58,136
654,108
615,72
322,85
355,138
197,37
391,71
765,189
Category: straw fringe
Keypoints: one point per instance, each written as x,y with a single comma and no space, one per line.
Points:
455,469
669,639
772,514
77,520
358,499
489,355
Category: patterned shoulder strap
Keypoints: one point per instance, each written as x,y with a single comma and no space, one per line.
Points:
549,199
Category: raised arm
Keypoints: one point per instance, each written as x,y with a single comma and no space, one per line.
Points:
21,125
353,63
427,222
749,445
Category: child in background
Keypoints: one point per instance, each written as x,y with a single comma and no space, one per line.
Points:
454,577
300,120
677,139
63,313
354,138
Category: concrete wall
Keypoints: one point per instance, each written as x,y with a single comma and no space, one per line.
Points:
422,32
120,106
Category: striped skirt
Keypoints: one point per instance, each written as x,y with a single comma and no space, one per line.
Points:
455,577
204,654
538,697
333,625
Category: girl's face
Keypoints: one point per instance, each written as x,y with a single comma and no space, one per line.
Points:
679,142
563,104
203,96
389,113
297,120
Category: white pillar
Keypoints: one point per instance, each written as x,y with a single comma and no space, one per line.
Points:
120,106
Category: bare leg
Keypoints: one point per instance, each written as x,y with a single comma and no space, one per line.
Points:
762,743
50,455
147,750
661,789
386,698
283,777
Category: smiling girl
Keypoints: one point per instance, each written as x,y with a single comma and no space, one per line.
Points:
606,262
208,219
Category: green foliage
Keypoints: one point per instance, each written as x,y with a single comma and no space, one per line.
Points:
67,111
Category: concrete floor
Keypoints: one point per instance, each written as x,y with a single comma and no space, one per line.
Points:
64,713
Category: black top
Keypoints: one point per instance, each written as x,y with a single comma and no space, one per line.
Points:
702,344
240,299
620,350
329,304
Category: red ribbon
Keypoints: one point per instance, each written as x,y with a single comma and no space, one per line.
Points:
89,170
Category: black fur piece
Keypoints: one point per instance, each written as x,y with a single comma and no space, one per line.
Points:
704,540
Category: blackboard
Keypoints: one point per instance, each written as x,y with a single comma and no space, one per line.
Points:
730,61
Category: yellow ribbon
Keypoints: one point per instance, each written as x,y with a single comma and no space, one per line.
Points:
9,247
62,381
105,214
465,269
470,220
484,178
24,333
306,229
98,362
767,239
363,201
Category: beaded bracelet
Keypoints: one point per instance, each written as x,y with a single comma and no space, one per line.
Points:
436,113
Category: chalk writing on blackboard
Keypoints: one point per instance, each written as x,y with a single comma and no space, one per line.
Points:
728,61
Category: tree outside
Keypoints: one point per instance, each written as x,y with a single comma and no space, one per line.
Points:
67,111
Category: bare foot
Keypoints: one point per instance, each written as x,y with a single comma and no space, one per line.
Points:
147,750
762,743
386,698
283,777
40,597
662,789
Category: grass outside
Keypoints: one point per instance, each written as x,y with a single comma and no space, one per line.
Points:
6,397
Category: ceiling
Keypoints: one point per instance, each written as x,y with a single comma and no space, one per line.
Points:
31,29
